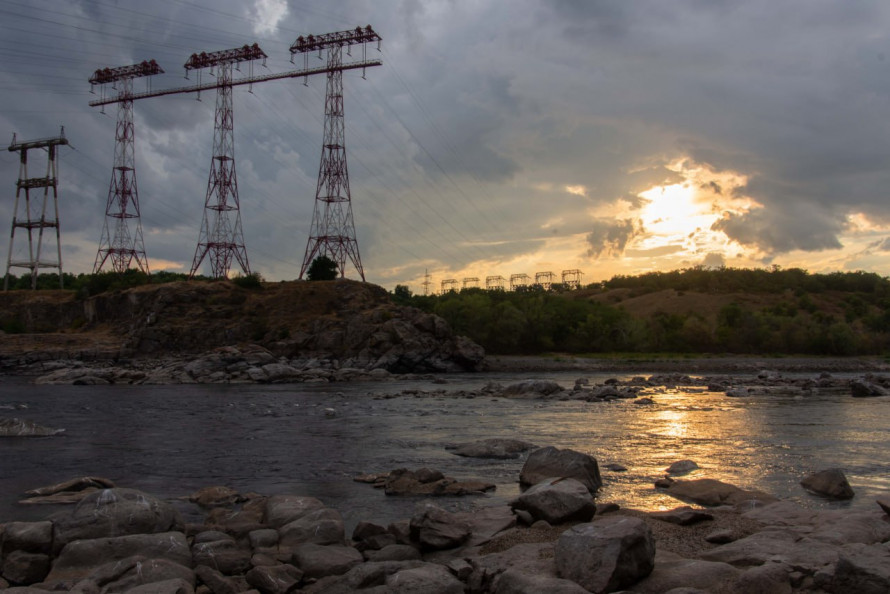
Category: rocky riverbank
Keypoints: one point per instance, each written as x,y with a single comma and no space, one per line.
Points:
554,537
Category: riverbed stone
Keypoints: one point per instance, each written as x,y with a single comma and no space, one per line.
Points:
80,557
831,482
20,567
174,586
769,578
30,537
864,569
682,516
607,555
682,467
284,509
216,496
429,578
321,526
434,528
496,448
392,552
550,462
712,492
318,561
224,555
216,581
514,581
276,579
115,512
557,500
672,571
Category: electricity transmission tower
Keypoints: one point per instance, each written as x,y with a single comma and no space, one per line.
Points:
221,235
35,213
333,229
119,243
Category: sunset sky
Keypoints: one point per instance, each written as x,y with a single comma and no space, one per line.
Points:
498,137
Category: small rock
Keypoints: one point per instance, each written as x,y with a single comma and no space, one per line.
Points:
830,482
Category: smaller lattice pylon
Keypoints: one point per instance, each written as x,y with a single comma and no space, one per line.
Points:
426,282
470,282
495,283
449,284
572,278
37,218
120,243
544,279
519,281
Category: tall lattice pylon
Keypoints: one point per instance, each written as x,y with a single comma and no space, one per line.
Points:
333,230
39,215
221,235
121,243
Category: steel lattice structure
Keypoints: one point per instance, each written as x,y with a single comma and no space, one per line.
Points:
332,232
119,243
34,220
221,235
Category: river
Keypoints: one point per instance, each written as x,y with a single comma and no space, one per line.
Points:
313,439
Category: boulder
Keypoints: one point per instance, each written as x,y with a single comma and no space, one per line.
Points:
360,577
216,497
115,512
864,569
496,448
80,557
284,509
831,483
20,567
318,561
531,388
514,581
429,482
769,578
530,558
865,389
434,528
174,586
713,492
393,552
429,578
682,516
681,467
672,571
321,526
30,537
223,555
607,555
556,501
132,572
276,579
550,462
216,581
72,485
25,428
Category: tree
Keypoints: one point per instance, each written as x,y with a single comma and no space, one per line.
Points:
402,295
322,268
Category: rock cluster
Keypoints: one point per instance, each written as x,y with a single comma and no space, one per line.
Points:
551,538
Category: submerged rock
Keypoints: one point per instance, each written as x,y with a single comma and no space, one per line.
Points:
831,482
24,428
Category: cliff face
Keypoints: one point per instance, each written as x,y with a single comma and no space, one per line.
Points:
351,322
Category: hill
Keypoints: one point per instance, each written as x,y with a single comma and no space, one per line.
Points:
352,322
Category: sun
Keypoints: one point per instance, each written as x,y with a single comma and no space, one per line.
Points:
674,211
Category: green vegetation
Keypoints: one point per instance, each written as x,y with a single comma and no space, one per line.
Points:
86,285
771,311
254,280
322,268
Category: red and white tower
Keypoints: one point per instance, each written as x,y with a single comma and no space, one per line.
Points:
120,243
333,231
221,236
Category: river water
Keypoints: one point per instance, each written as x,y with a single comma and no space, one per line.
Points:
313,439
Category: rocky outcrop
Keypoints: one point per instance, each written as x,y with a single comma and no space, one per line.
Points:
344,325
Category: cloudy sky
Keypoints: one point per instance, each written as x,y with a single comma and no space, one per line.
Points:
498,138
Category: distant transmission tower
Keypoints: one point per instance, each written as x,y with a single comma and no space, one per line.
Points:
426,282
36,217
221,235
119,243
333,230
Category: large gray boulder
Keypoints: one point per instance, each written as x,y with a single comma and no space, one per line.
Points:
514,581
274,579
429,578
434,528
322,527
864,569
20,567
81,557
115,512
318,561
831,483
550,462
223,555
557,501
284,509
607,555
29,537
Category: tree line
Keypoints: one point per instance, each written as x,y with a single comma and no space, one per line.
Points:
841,313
